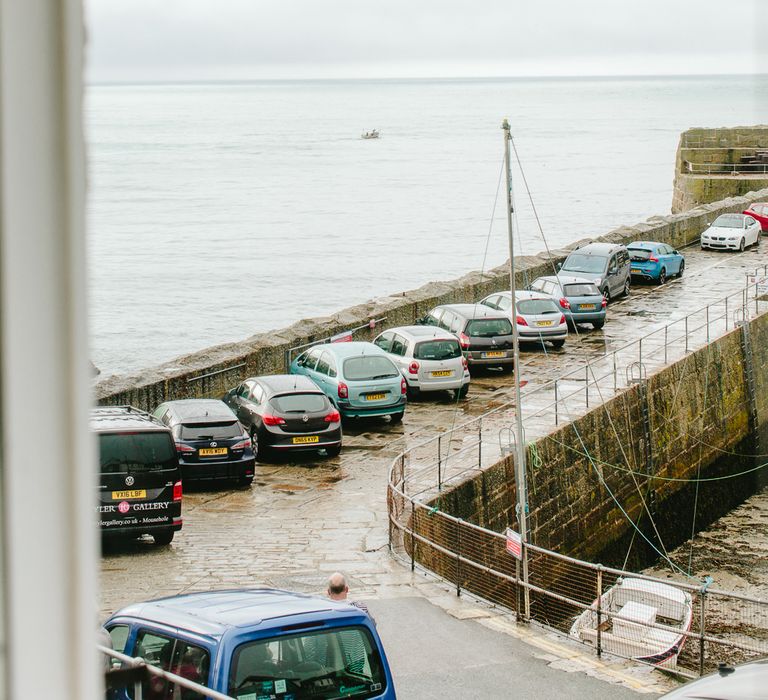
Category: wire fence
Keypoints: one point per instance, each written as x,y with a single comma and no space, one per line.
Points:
683,627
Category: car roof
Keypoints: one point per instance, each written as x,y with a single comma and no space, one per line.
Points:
734,683
201,410
115,419
757,204
526,294
575,279
286,383
733,215
215,612
598,249
644,245
473,311
421,332
353,349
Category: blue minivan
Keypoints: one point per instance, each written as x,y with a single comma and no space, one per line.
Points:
256,643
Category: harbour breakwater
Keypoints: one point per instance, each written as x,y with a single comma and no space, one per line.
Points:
213,371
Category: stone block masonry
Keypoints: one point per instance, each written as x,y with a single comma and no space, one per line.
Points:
264,353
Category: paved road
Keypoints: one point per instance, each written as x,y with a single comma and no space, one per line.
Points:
302,520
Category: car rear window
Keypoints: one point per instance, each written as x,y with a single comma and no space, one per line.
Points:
580,290
591,264
210,431
537,306
489,327
369,367
299,403
136,452
331,663
639,254
437,350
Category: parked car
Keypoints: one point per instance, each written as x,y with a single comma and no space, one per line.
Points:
485,335
538,317
651,260
255,643
286,413
579,298
210,442
140,479
731,232
429,358
358,378
759,211
744,682
605,264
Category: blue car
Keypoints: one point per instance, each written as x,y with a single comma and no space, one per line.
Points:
650,260
358,378
255,643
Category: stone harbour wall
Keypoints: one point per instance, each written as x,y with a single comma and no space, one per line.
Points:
213,371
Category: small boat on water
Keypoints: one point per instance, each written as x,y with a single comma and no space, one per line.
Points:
370,134
638,603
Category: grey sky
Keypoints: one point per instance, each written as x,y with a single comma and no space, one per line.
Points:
254,39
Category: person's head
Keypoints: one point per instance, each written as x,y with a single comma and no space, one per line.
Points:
337,587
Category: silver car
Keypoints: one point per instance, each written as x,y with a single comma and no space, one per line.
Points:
731,232
579,298
538,317
429,358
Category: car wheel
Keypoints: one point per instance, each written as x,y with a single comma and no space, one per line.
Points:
164,537
662,275
413,392
333,451
626,287
607,293
597,325
682,268
244,482
557,344
395,418
460,393
741,245
260,450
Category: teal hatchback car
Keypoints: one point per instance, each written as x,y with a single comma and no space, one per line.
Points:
358,378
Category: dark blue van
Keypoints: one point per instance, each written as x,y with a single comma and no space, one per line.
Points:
256,644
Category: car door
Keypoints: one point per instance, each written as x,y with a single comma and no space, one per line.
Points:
397,352
239,402
306,363
753,230
615,284
384,341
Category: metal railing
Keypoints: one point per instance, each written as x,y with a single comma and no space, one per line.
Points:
561,588
150,671
726,168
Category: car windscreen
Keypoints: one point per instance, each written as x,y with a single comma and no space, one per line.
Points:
437,350
591,264
489,327
136,452
729,221
329,663
299,403
639,254
537,306
580,290
211,431
369,367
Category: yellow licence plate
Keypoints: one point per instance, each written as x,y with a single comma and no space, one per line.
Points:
212,451
493,353
442,373
375,397
544,323
306,439
127,495
587,307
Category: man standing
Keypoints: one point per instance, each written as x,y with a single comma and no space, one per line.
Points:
339,590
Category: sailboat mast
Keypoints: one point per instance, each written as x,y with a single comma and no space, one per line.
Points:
520,475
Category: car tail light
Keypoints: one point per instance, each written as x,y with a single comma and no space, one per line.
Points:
272,420
184,449
565,303
333,417
177,491
562,319
242,445
403,387
413,368
464,340
520,321
653,260
464,362
604,302
343,391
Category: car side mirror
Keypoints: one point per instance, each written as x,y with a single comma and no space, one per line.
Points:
421,321
559,266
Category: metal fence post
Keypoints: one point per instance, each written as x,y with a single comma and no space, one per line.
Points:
640,351
614,372
413,538
599,645
707,323
586,383
726,313
439,462
480,440
701,631
555,401
458,557
686,334
666,333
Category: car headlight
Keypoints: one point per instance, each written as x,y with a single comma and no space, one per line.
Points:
732,238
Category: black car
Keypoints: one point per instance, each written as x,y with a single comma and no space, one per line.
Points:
286,412
140,479
485,334
210,441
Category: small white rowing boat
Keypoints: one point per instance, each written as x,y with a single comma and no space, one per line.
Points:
370,135
628,609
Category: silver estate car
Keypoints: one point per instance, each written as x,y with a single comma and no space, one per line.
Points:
429,358
538,317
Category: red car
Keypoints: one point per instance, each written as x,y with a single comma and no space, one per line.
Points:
759,211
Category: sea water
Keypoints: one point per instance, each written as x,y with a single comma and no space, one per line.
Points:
216,211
